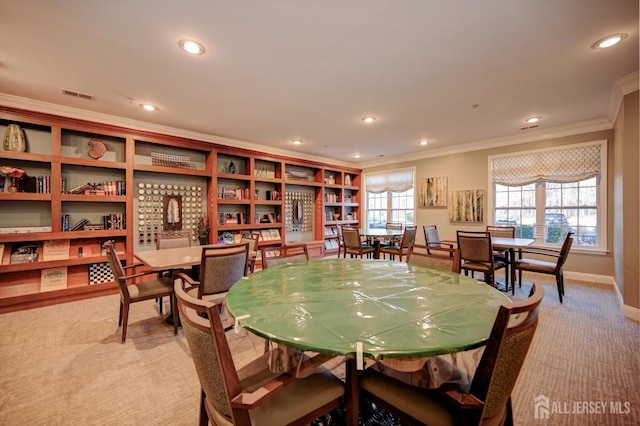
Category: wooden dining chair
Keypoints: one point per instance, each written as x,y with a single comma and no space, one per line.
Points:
489,399
174,239
389,241
252,240
501,231
221,266
353,245
252,395
133,290
282,255
402,248
476,254
442,258
554,265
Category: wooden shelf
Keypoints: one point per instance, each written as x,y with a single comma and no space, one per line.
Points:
24,196
92,163
59,148
171,170
94,198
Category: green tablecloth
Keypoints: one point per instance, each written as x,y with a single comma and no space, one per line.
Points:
395,310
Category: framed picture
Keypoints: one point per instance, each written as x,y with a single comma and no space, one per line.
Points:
432,192
172,209
466,206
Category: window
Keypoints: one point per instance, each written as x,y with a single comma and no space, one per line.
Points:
390,198
550,192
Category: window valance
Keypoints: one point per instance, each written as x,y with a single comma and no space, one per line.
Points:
560,165
393,181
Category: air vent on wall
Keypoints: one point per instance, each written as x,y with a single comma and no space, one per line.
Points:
77,94
529,127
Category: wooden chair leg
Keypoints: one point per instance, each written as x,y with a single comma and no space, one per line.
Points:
120,316
559,284
174,312
125,320
204,417
159,300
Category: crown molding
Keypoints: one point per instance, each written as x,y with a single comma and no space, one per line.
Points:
80,114
530,136
621,87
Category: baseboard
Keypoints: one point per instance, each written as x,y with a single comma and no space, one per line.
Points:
626,310
593,278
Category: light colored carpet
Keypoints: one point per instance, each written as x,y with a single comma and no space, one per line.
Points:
65,365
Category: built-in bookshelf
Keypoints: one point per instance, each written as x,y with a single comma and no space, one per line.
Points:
79,199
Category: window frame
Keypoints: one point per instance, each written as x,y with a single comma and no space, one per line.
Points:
540,199
389,198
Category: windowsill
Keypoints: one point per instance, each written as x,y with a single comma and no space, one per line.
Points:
595,251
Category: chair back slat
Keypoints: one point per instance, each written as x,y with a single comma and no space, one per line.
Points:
505,352
475,246
173,239
117,269
564,251
444,259
431,235
351,237
222,267
502,231
408,237
397,226
209,349
279,255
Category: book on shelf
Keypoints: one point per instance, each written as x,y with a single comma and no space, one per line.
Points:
266,236
85,251
24,253
274,233
80,224
52,279
55,250
1,253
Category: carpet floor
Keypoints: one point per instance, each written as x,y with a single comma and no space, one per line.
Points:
65,365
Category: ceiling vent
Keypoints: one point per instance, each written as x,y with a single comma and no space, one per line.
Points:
535,126
77,94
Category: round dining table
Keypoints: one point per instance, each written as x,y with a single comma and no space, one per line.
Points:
391,308
365,308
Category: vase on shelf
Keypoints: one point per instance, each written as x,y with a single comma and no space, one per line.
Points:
15,187
14,139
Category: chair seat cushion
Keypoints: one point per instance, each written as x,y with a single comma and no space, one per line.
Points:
414,401
151,288
536,265
294,401
482,267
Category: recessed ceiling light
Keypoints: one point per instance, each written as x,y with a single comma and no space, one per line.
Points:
296,142
357,155
423,142
532,120
609,41
369,119
192,47
149,107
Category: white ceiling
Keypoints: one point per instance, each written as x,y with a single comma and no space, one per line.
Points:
281,70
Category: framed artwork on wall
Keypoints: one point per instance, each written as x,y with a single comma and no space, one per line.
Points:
432,192
466,206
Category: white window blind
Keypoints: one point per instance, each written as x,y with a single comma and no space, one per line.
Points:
561,165
394,181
